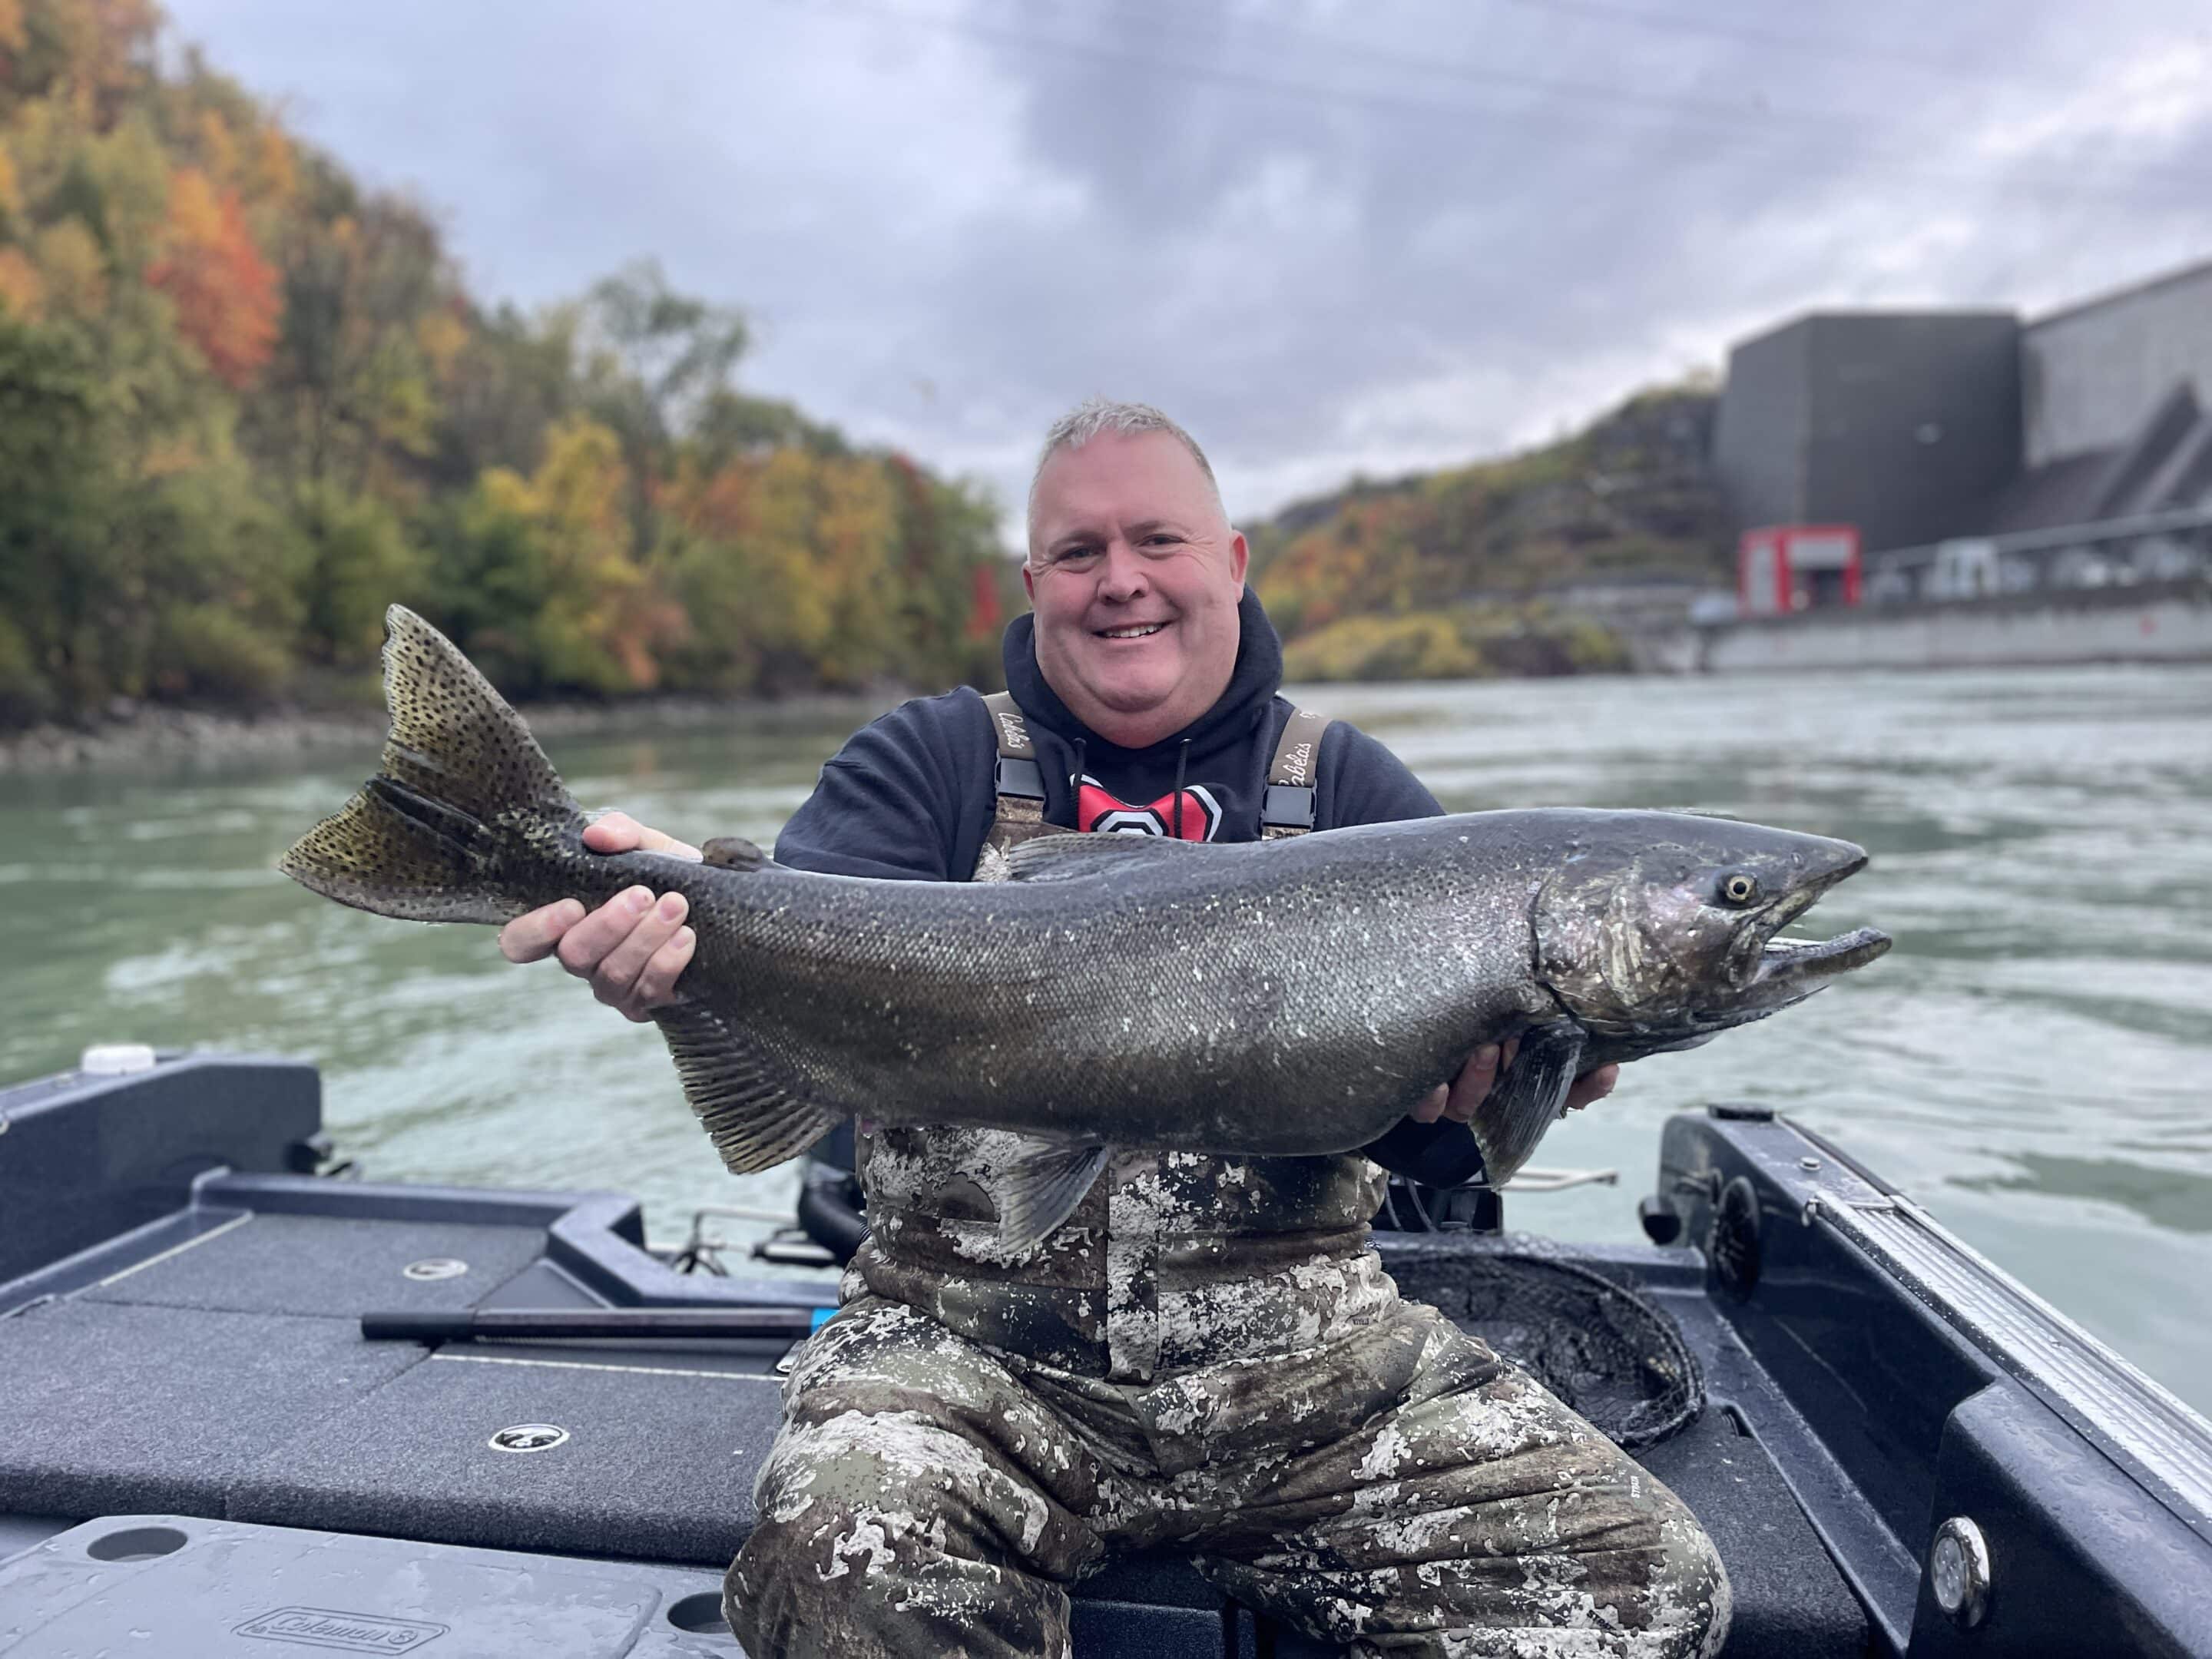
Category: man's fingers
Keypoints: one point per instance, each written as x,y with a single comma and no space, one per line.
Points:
618,832
585,946
1472,1086
532,937
1431,1107
615,832
1592,1086
614,979
657,984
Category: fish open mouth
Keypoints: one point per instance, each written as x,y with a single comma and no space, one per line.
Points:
1818,958
1774,971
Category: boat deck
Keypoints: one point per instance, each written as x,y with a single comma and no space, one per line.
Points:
211,1365
194,1436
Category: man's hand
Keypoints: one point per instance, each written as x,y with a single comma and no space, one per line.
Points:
632,947
1458,1099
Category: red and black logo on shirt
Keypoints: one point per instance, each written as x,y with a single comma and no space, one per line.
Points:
1099,812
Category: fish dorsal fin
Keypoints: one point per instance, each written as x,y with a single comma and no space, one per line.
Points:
1071,856
733,853
1040,1187
1528,1100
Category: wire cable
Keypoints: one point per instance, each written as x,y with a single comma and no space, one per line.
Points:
2186,185
1823,46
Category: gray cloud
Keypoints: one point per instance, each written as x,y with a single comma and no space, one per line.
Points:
1330,237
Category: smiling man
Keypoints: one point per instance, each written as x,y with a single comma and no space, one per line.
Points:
1136,579
1207,1354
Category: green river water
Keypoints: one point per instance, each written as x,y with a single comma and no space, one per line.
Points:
2033,1062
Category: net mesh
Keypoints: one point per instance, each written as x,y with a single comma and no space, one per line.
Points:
1610,1354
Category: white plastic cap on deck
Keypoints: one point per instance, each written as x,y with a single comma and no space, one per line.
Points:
115,1058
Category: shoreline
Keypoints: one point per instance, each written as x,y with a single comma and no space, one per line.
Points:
158,735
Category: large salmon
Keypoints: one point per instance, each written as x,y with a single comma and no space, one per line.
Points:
1287,997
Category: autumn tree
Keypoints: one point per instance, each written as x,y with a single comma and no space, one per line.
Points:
224,291
246,404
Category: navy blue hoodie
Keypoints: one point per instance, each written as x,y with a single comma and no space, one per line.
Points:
912,795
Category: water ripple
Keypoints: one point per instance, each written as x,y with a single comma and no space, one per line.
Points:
2033,1060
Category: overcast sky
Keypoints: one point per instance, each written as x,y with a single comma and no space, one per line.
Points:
1329,236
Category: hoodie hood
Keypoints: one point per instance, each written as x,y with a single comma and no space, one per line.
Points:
1230,744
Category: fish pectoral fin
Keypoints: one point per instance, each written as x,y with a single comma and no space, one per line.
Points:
1069,856
733,853
1528,1100
754,1121
1040,1187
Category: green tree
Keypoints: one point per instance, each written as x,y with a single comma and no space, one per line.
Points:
55,472
357,559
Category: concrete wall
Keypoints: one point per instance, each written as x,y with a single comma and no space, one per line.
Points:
2171,622
1903,424
2091,374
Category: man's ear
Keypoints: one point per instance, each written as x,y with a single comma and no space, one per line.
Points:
1029,581
1239,556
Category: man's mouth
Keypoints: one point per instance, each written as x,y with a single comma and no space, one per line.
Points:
1131,631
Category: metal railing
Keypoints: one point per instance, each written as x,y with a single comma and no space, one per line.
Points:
2108,553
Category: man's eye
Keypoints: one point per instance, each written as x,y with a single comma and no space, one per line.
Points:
1075,556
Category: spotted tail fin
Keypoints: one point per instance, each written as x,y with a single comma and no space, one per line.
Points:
428,838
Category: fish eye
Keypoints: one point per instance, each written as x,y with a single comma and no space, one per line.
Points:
1737,888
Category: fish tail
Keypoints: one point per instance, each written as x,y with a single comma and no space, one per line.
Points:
444,830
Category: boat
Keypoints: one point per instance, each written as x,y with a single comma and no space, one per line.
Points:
252,1404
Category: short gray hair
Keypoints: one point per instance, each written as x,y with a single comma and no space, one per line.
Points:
1096,414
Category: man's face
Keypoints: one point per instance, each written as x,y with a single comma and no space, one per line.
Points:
1135,575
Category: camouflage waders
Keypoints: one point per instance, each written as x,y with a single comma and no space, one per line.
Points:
1207,1354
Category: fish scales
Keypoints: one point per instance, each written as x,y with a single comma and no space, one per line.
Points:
1278,998
886,994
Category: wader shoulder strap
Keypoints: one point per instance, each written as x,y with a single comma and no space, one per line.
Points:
1287,809
1019,773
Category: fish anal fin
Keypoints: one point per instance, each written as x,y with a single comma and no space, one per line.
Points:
1071,856
753,1119
733,853
1527,1101
1040,1187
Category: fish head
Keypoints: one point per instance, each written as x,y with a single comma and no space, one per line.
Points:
1658,930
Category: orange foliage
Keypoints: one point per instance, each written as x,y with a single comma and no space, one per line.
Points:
717,504
226,294
276,169
218,150
984,618
21,290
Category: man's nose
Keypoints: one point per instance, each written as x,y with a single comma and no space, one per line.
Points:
1123,575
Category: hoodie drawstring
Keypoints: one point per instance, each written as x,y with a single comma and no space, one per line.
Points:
1182,763
1075,786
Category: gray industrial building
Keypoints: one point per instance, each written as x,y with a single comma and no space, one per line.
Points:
1923,426
2091,374
1904,423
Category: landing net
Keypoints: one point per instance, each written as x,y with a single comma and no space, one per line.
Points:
1608,1352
